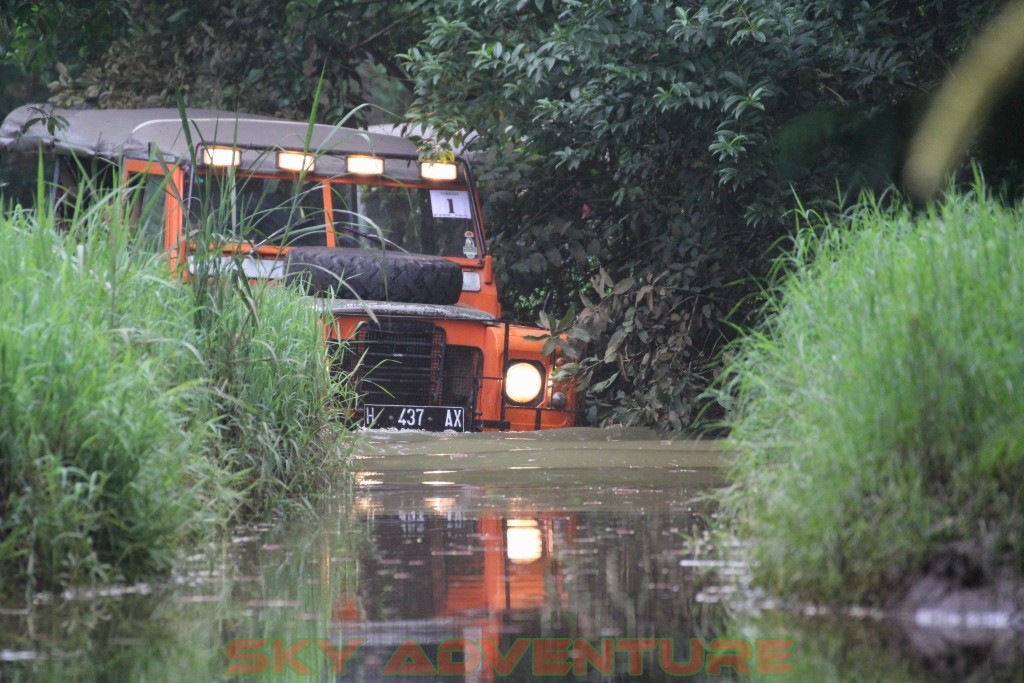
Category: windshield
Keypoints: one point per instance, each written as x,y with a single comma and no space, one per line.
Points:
275,211
418,220
288,212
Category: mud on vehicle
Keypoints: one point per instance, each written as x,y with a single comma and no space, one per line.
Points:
391,244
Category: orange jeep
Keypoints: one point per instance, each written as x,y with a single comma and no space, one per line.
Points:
392,244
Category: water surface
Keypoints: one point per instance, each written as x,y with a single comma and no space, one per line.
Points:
483,557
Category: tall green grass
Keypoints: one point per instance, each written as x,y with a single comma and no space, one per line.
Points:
878,413
138,411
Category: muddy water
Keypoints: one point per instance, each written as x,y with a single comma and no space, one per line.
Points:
574,554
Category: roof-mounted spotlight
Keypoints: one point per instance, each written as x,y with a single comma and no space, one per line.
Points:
296,161
221,156
364,165
436,170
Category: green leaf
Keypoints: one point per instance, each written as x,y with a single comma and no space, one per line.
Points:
604,384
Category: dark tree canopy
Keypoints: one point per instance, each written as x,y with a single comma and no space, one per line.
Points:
262,56
646,153
36,34
41,41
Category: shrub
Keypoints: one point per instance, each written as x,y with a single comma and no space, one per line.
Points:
136,411
877,413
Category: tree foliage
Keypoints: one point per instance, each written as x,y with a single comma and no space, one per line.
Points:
634,153
41,41
36,34
262,56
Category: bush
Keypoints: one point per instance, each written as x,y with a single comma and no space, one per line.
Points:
136,412
661,143
877,414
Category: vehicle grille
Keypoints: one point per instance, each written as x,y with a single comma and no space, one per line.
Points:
463,366
402,362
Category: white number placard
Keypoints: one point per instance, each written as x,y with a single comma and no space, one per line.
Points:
450,204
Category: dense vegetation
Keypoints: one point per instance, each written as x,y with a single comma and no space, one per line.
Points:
878,408
138,411
642,154
647,153
265,57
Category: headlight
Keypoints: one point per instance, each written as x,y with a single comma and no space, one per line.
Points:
523,382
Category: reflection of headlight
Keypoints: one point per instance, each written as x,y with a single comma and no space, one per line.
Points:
523,541
523,382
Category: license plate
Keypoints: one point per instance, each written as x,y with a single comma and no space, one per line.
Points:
428,418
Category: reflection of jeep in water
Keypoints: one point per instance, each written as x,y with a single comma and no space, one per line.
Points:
392,244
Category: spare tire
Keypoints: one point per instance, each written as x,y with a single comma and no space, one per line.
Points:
375,275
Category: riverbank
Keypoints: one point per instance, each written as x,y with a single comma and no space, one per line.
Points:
140,414
877,413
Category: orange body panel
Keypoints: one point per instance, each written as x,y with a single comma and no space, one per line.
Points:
491,406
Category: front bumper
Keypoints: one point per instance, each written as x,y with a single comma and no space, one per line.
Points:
423,366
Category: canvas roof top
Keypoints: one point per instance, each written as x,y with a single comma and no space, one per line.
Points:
134,133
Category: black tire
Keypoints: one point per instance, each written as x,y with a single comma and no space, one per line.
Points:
375,275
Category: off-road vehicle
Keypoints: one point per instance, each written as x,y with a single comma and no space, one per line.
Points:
391,243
